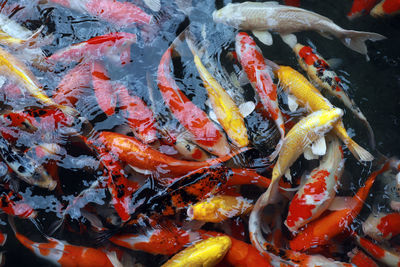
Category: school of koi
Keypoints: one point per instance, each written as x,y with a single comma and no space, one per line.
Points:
173,176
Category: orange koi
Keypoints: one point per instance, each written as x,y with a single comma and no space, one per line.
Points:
252,61
386,8
96,48
139,117
141,156
121,14
320,231
360,7
73,85
248,176
390,258
360,259
195,120
103,88
382,227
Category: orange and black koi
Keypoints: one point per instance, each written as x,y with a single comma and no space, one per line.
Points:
103,88
13,204
96,48
320,72
361,7
195,120
139,117
320,231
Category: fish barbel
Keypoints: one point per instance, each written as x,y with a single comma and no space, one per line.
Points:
271,16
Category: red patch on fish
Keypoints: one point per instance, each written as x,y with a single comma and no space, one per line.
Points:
391,6
389,225
103,88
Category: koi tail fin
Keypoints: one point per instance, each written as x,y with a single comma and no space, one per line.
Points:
275,67
359,153
355,40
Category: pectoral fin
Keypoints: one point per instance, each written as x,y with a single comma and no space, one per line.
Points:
264,36
319,146
309,155
292,103
289,39
247,108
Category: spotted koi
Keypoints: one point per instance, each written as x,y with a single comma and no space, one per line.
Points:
317,193
252,61
320,231
321,73
386,8
360,7
382,227
195,120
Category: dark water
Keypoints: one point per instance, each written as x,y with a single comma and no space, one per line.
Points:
374,85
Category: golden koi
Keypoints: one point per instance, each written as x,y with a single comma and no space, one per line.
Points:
205,253
309,97
14,68
306,131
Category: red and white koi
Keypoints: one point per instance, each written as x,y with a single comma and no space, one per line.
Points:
103,88
391,258
96,48
386,8
360,7
317,193
382,227
360,259
320,231
122,14
139,117
252,61
12,203
321,73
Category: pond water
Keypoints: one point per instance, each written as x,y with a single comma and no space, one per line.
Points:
374,85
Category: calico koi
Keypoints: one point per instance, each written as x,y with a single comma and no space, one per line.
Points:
12,203
63,254
388,257
297,139
386,8
219,208
321,73
141,156
16,70
96,48
360,259
360,7
205,253
195,120
382,227
225,109
317,193
252,61
103,88
309,97
139,117
121,14
320,231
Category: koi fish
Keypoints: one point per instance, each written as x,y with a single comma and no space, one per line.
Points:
73,85
320,72
360,259
261,17
219,208
96,48
309,97
252,61
208,252
225,109
121,14
386,8
297,139
315,196
63,254
382,227
390,258
103,88
195,120
12,203
16,70
139,117
360,7
141,156
247,176
25,167
320,231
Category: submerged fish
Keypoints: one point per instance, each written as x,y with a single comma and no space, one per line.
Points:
386,8
360,7
261,17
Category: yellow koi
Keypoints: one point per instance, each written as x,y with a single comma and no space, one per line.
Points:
306,131
219,208
310,98
225,109
206,253
12,67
